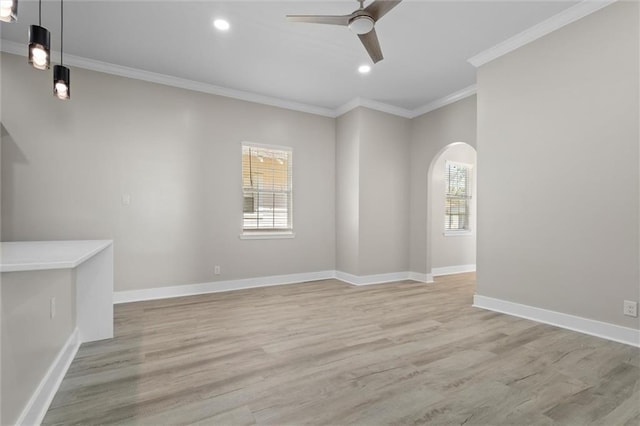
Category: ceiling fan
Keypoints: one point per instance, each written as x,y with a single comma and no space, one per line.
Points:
361,21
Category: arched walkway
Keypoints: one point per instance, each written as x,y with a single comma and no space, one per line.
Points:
451,249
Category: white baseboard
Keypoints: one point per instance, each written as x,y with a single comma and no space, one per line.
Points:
449,270
423,278
220,286
216,286
382,278
372,279
601,329
37,406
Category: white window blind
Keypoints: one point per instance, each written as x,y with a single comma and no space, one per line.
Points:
266,188
458,194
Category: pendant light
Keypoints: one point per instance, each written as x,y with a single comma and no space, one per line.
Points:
39,43
8,10
61,74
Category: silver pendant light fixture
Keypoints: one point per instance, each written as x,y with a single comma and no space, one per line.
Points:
8,10
39,43
61,74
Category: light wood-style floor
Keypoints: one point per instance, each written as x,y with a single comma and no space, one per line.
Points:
327,353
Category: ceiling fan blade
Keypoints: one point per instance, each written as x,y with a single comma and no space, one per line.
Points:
320,19
379,8
370,41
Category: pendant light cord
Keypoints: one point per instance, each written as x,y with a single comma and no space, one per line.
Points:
61,28
39,13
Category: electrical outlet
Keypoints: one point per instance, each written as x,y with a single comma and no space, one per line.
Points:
52,308
630,308
216,270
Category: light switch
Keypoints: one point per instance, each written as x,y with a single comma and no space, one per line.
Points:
126,199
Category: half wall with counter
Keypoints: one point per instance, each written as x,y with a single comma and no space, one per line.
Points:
55,295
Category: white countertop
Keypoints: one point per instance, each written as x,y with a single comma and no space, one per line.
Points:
39,255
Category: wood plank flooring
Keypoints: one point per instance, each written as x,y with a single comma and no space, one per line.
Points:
327,353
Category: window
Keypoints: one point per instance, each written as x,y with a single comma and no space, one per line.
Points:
458,193
266,189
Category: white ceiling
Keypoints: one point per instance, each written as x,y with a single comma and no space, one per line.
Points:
426,44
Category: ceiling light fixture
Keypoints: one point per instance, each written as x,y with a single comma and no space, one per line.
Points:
8,10
39,43
364,69
361,24
61,74
221,24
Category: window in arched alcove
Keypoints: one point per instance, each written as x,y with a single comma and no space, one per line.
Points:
452,207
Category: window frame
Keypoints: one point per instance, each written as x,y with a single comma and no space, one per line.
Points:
469,197
267,233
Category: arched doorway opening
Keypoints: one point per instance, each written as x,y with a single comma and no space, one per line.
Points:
451,207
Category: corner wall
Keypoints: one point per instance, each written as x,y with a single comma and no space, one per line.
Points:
384,193
372,193
558,147
348,128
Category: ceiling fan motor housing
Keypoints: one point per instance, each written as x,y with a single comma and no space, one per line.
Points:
361,24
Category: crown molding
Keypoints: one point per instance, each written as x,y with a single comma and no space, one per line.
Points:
402,112
167,80
580,10
449,99
572,14
375,105
345,108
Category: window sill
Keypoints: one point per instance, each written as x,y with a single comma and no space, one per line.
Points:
457,233
257,235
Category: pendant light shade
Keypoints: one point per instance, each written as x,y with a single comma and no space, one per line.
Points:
61,82
39,43
8,10
61,74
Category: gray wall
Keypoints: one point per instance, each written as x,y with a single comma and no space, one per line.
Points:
372,216
453,249
66,166
384,193
431,133
558,169
348,191
31,340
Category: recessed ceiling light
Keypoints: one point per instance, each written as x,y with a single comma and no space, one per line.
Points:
221,24
364,69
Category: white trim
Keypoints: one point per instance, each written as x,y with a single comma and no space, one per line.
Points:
241,284
167,80
33,413
374,105
345,108
272,147
266,235
572,14
217,286
372,279
460,233
605,330
105,67
449,270
444,101
420,277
